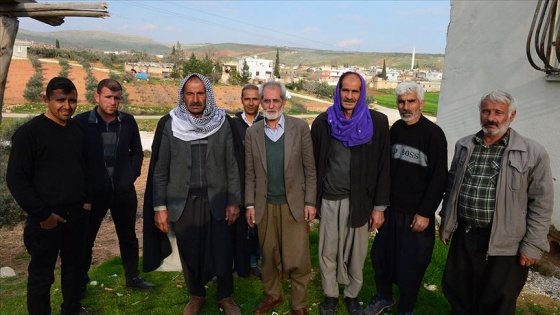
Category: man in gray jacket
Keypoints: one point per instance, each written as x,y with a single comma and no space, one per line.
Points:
498,205
196,191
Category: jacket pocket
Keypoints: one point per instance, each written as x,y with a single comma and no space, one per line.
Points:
518,172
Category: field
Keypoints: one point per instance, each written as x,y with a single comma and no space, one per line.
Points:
151,93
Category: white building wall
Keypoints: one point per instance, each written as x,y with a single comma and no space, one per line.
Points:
261,69
486,51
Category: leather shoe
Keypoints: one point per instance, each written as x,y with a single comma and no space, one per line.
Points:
353,305
229,306
301,311
328,307
139,284
267,304
194,305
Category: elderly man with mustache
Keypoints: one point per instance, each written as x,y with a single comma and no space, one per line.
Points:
498,205
403,249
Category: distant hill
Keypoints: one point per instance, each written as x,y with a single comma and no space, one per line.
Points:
290,56
293,56
95,40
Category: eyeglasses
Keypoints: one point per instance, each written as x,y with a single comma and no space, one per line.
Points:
275,101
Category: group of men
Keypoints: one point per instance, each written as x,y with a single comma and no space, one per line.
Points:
214,180
66,174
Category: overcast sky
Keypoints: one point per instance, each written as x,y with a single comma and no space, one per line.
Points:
365,26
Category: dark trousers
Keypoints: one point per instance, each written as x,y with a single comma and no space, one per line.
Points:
401,256
205,250
475,283
123,212
67,239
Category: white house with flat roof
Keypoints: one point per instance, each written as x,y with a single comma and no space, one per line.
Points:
260,69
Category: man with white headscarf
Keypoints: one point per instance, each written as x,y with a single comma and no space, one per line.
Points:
196,190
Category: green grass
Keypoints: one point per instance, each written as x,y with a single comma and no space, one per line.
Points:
110,296
430,105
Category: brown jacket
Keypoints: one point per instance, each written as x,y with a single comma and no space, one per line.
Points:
299,168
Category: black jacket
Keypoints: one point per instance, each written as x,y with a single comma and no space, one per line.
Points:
369,167
156,243
129,154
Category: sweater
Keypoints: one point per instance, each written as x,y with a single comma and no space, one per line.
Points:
46,169
418,167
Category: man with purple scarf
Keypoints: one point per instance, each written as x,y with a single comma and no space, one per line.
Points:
351,148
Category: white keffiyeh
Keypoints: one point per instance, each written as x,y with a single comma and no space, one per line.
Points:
187,127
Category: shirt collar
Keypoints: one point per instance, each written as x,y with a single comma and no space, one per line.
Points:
503,140
280,122
245,118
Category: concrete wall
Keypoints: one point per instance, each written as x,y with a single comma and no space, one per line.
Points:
486,51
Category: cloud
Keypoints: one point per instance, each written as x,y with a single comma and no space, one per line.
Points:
173,29
349,42
311,30
148,27
124,27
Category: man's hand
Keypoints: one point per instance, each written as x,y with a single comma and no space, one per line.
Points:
250,216
419,223
376,220
232,213
52,221
87,206
161,219
309,213
527,261
445,241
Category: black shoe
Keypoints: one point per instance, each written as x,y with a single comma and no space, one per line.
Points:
139,284
353,305
83,311
83,291
256,271
328,307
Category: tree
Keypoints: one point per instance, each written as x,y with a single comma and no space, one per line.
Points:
175,74
234,77
34,87
205,66
216,72
57,44
190,66
91,88
245,74
383,74
277,65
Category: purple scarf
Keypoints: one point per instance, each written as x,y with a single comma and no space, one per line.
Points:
359,128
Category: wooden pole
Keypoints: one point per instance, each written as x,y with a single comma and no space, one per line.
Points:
8,31
29,7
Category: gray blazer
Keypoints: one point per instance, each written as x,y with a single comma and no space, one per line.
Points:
172,173
300,177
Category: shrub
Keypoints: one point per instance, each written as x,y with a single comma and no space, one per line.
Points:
91,88
34,87
10,213
35,63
